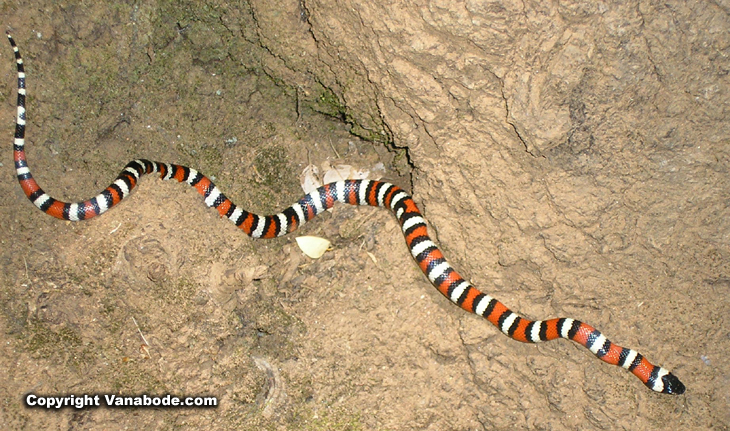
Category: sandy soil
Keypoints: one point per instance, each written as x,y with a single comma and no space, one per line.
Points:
572,160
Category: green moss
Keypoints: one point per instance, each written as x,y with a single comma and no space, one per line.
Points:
273,168
130,378
43,341
115,319
181,294
328,103
371,135
208,158
326,419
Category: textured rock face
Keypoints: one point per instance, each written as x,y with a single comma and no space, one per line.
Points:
573,158
576,153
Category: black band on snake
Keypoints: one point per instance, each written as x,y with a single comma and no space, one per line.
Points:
354,192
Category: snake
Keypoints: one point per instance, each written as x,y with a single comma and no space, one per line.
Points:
375,193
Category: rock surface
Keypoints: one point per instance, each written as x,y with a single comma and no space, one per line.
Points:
571,157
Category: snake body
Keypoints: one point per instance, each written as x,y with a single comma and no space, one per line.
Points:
354,192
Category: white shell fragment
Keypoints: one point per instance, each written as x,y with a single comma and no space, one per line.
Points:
313,176
310,179
313,246
334,173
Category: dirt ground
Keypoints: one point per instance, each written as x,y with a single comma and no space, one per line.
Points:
572,158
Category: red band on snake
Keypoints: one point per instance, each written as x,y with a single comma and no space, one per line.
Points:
354,192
